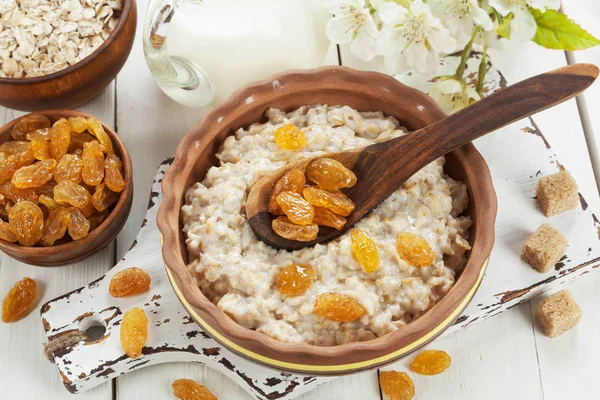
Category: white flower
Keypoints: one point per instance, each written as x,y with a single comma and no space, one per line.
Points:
453,94
523,24
460,16
412,38
352,23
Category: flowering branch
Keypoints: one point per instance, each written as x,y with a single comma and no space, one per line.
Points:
412,35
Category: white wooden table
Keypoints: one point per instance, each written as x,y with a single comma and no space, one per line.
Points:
504,357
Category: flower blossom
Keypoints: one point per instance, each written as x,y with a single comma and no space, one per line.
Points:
522,25
412,38
460,17
453,94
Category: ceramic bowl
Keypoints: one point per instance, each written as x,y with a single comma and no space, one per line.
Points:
80,82
98,238
365,91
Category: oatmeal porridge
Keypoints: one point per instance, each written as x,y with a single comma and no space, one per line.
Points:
239,273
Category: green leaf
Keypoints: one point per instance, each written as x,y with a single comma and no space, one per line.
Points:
503,29
556,31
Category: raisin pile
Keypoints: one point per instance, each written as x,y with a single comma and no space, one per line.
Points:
301,209
58,181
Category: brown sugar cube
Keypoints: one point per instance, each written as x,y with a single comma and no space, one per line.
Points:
557,193
558,313
544,247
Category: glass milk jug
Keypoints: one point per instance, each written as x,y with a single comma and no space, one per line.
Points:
200,51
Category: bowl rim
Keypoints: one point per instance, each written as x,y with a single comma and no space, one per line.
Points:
127,6
112,218
187,290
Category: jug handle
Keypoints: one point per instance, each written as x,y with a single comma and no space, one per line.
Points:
179,78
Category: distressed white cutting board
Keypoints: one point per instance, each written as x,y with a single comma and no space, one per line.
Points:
517,156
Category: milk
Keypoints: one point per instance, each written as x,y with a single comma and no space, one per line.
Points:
234,42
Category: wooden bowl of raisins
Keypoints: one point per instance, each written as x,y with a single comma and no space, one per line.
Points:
66,187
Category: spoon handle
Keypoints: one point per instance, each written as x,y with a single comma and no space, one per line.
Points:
502,108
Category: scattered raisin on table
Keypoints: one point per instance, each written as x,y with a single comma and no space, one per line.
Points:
298,210
335,201
187,389
338,307
28,124
289,137
19,300
330,174
288,230
291,181
129,282
414,249
364,250
27,222
396,385
295,279
430,362
134,332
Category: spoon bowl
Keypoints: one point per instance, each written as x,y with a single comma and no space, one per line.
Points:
381,168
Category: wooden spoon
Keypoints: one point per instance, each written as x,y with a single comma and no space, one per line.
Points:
381,168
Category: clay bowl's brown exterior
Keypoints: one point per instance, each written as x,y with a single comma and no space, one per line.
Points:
79,83
98,238
365,91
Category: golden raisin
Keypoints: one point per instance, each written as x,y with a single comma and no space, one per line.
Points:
129,282
298,210
40,134
49,202
295,279
288,230
19,300
103,197
335,201
47,189
33,176
8,166
187,389
27,124
414,249
77,124
88,210
67,192
93,163
97,219
112,173
68,168
364,250
6,233
15,194
396,385
95,128
60,138
19,150
79,225
292,181
27,222
325,217
430,362
78,141
134,332
338,307
289,137
40,149
330,174
55,226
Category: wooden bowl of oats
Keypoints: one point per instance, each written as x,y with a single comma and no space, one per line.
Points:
66,58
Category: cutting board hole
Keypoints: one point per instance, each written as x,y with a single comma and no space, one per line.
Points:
93,327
